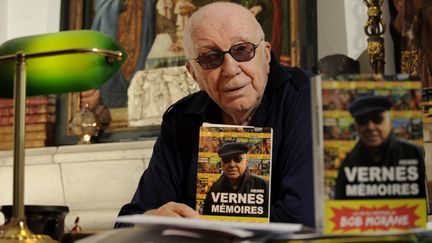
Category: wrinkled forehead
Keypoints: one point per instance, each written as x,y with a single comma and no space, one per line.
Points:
223,25
221,11
220,21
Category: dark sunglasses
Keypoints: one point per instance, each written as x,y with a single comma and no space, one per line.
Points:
242,52
376,118
236,158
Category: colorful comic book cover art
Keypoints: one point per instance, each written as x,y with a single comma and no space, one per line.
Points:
234,166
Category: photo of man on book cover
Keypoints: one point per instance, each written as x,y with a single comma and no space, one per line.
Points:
381,164
237,186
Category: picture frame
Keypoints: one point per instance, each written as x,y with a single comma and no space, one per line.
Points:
291,32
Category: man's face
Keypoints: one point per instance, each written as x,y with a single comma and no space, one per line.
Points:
237,87
214,142
373,128
234,166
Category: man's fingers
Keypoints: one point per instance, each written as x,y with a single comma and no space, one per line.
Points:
174,209
162,211
186,211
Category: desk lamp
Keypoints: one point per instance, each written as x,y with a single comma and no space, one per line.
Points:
61,62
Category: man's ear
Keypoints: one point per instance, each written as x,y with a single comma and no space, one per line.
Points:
192,73
190,70
267,53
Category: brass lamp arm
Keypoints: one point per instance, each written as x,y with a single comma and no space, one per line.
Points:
111,55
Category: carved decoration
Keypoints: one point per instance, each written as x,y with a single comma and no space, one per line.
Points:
374,29
152,91
410,62
413,21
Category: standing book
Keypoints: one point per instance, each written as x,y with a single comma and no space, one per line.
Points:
368,156
234,171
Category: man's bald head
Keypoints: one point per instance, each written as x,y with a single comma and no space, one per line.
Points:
221,13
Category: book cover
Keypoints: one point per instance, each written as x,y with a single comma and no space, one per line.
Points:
368,155
234,171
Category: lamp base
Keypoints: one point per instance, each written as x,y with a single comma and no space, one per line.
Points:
17,231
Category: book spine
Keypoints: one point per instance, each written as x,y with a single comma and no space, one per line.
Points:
28,128
29,119
318,151
31,109
28,144
40,135
36,100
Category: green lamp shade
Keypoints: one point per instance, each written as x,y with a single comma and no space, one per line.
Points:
60,73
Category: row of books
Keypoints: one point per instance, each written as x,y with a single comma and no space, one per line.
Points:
39,118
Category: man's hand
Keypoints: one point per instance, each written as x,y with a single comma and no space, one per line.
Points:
174,209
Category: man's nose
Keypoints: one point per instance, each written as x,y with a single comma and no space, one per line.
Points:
231,162
230,67
370,124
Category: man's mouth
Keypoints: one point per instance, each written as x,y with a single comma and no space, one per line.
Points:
371,137
235,91
232,171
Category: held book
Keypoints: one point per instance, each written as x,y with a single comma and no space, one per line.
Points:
234,171
369,165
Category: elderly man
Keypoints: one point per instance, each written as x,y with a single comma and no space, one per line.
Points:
380,165
241,83
236,178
